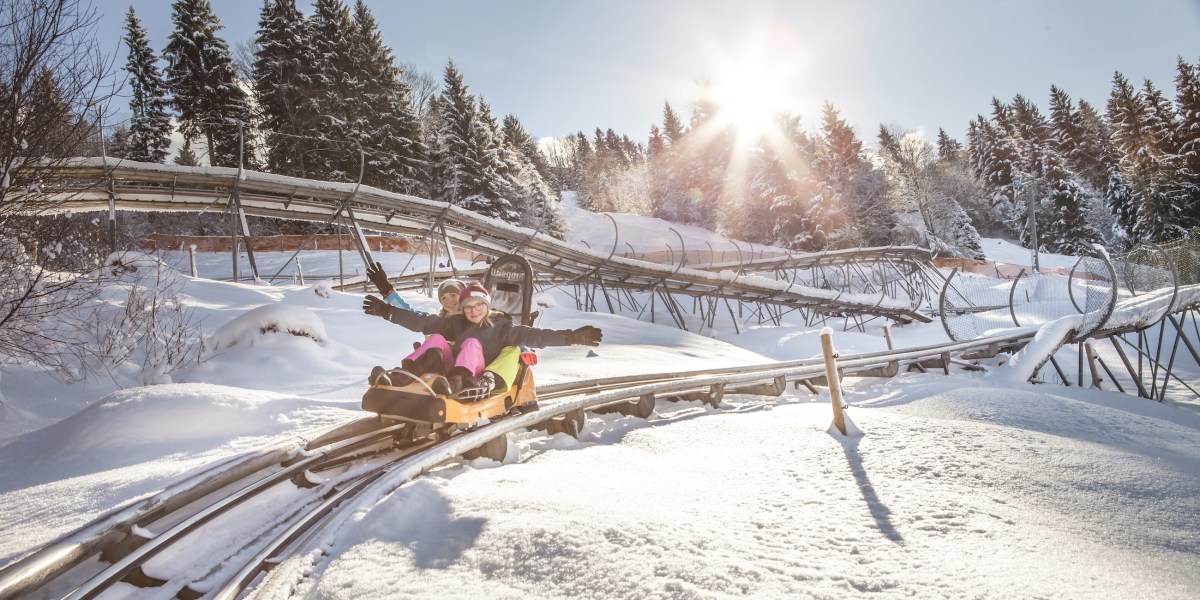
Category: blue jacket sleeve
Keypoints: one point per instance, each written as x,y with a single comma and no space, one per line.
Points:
395,300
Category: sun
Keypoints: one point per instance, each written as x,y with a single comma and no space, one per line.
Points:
748,96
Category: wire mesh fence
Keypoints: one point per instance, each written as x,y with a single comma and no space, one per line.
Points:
971,305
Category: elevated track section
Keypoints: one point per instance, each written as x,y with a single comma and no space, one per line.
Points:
92,184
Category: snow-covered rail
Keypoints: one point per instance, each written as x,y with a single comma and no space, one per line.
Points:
103,184
55,569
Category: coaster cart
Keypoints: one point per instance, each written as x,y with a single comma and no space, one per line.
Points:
438,416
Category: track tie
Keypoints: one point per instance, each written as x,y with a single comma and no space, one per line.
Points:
139,578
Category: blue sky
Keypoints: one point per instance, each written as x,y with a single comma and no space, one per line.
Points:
562,67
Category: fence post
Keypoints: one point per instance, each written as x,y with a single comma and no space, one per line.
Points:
1091,359
887,336
835,383
192,259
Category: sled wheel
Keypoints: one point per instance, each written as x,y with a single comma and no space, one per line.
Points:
571,424
715,393
495,449
643,408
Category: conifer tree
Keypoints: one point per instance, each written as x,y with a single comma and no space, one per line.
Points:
656,142
516,136
949,149
1081,139
187,156
995,160
282,58
335,155
784,183
583,152
465,168
530,193
1060,204
149,135
386,125
202,78
858,212
118,144
672,126
1143,131
1187,101
1125,112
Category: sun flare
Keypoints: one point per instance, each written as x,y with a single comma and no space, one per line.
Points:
749,99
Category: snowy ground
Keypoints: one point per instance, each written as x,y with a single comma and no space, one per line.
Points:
966,485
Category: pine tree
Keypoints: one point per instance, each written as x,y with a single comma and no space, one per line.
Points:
859,212
1187,102
187,156
386,126
1165,218
782,187
335,155
656,143
1081,139
532,195
517,137
282,59
996,161
150,126
1125,112
672,126
202,77
1061,204
949,149
466,167
118,144
1143,131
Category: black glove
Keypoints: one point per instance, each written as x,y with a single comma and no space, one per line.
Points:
379,278
584,336
375,306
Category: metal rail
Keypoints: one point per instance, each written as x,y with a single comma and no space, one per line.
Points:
84,184
39,568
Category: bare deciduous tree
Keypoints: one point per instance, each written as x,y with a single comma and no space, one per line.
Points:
54,80
422,88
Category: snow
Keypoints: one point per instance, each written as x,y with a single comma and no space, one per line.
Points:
967,485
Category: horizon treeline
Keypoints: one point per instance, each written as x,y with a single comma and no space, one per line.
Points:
319,93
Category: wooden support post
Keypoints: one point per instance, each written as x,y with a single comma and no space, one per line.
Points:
1091,359
835,383
887,336
192,259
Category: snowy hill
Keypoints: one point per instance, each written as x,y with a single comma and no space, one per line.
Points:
959,485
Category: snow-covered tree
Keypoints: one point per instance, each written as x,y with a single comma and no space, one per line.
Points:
202,77
930,192
465,165
860,214
386,125
1143,131
282,59
52,85
530,194
335,155
150,125
1187,102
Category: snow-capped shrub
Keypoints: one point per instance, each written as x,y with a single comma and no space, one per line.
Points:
271,318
